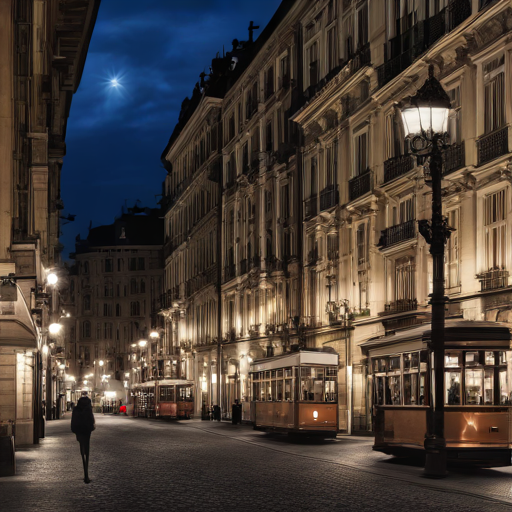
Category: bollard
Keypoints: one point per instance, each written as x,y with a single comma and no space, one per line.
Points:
7,456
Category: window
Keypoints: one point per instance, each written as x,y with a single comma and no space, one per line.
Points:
135,308
285,201
405,211
333,246
394,136
284,71
332,49
494,106
86,329
109,265
360,154
141,264
98,331
231,126
132,264
142,285
454,120
362,26
107,309
119,264
108,330
452,251
361,244
108,289
86,267
118,309
313,176
312,62
269,145
495,217
245,157
269,82
87,303
405,289
268,201
331,162
133,286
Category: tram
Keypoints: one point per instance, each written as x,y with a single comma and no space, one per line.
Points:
477,392
296,393
168,398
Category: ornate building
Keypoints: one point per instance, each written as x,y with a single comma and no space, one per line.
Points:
115,284
43,46
321,194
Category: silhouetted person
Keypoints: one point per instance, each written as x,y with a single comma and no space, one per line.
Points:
82,424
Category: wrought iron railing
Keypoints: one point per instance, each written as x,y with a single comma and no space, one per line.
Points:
397,234
458,11
329,197
435,27
361,58
310,207
397,166
254,262
399,306
492,145
273,264
493,279
454,158
229,272
198,282
360,185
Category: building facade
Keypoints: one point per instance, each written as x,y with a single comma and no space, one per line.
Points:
43,46
116,280
321,194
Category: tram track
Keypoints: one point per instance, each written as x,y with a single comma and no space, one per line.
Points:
395,476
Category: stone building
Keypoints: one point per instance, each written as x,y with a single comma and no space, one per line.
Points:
116,280
321,194
43,47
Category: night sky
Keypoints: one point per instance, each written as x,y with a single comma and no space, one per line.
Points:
143,60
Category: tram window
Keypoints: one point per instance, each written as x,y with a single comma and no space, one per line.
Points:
288,372
452,388
273,389
375,366
489,358
185,394
504,388
167,393
331,372
267,375
452,359
288,389
279,374
407,362
394,363
268,391
379,390
410,389
279,390
422,389
472,358
330,391
474,387
382,365
415,360
503,358
256,390
489,386
394,390
423,356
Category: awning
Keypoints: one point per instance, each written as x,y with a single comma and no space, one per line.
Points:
457,332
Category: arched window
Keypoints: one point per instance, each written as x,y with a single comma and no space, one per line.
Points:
142,285
87,303
133,286
135,308
87,329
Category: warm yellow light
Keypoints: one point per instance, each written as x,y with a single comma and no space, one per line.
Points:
45,349
54,328
154,334
101,363
52,278
142,343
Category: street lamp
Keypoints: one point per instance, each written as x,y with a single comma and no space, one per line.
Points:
52,278
54,328
425,122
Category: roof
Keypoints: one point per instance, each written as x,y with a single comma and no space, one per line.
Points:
456,331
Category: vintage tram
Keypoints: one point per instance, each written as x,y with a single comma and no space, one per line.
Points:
296,393
168,398
477,392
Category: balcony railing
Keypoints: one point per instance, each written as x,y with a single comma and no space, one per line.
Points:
492,145
397,166
361,58
399,306
273,264
207,277
396,234
360,185
458,10
493,279
329,197
435,27
310,207
454,158
254,262
229,272
244,267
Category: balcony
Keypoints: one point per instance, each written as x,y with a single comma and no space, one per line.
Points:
397,166
458,11
272,264
493,280
396,234
229,272
454,158
254,262
329,197
244,267
492,145
203,279
399,306
435,27
310,207
312,257
360,185
169,248
361,58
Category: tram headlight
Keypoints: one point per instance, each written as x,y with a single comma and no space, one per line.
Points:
315,414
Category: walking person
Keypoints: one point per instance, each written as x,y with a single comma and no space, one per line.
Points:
82,424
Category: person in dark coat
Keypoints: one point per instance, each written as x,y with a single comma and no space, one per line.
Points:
82,424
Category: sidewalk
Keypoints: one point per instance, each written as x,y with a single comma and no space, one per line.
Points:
356,452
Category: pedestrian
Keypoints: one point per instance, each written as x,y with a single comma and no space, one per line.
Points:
82,424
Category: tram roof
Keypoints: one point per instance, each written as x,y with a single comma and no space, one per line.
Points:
302,357
163,382
458,332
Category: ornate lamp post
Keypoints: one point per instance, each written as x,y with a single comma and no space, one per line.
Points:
425,122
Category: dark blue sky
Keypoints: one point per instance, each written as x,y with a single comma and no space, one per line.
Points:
115,136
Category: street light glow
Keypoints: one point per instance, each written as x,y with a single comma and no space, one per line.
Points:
101,363
154,334
52,278
142,343
54,328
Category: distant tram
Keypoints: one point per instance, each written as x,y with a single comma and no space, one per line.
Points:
296,393
168,398
477,392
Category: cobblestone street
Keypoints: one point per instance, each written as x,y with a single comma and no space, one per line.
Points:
152,465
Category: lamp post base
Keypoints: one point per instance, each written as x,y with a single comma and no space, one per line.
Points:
435,457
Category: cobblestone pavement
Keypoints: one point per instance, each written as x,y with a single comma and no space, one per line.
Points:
152,465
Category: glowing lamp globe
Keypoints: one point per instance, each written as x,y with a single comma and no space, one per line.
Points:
154,334
428,110
54,328
52,278
142,343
